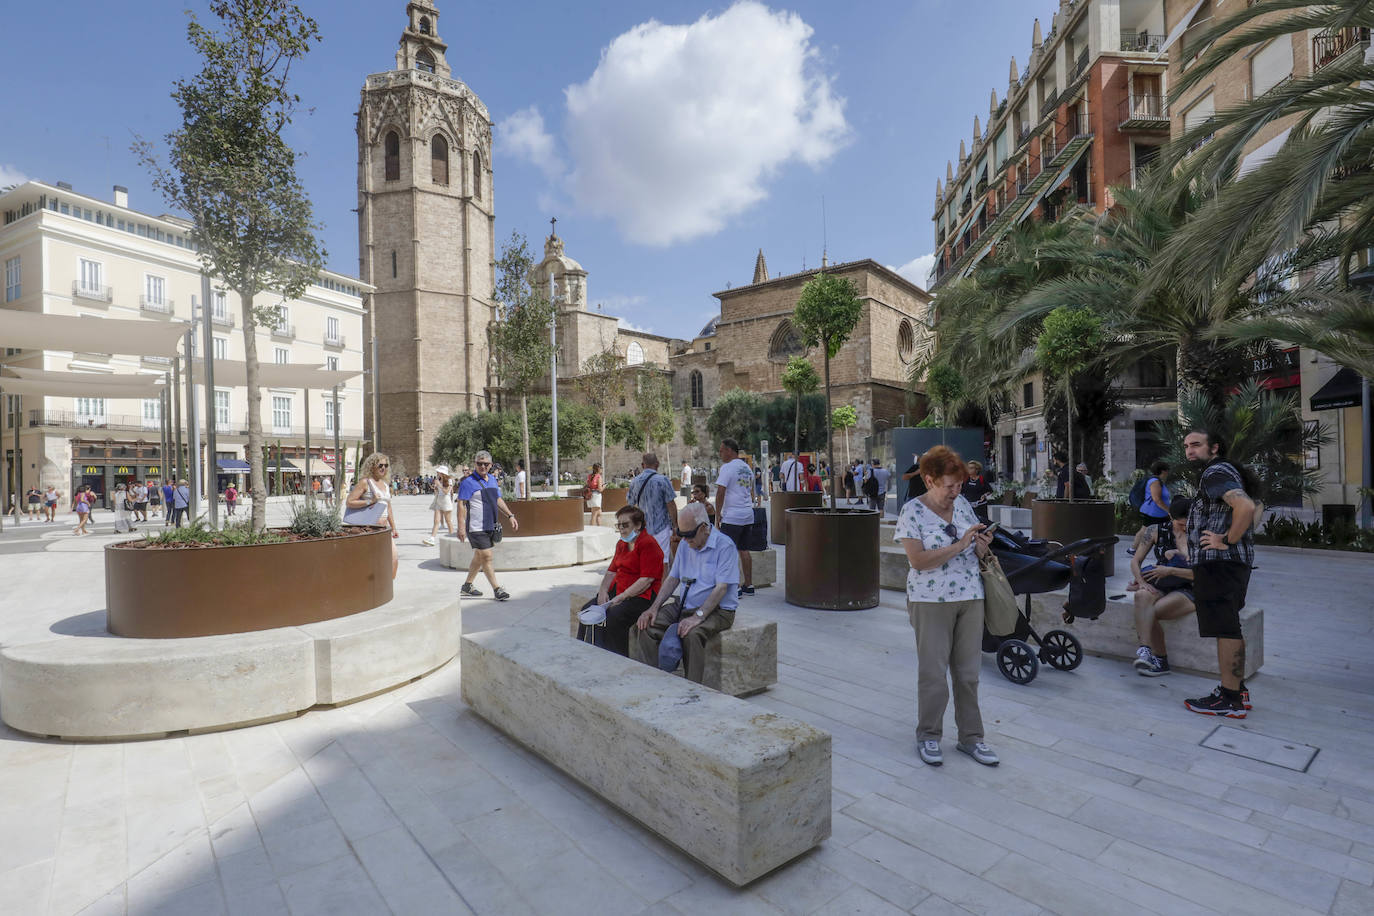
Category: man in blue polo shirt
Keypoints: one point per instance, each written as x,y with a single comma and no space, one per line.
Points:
480,509
708,562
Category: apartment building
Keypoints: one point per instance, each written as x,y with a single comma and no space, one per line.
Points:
68,253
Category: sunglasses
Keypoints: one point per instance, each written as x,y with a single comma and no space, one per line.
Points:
624,526
484,464
688,535
383,464
952,531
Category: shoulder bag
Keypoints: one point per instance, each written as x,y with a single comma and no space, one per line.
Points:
370,514
1000,613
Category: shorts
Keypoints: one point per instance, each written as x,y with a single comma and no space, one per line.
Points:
664,539
140,507
481,540
739,534
1219,588
594,501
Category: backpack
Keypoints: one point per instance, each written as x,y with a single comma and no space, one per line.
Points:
870,486
1138,492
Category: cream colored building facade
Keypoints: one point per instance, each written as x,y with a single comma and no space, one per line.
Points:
66,253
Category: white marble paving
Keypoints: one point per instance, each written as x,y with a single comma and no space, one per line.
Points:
408,803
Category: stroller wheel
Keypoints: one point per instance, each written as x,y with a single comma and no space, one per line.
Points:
1017,662
1061,649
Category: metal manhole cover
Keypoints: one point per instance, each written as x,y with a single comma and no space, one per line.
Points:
1277,751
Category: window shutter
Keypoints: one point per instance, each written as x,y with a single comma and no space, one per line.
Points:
1271,65
1200,112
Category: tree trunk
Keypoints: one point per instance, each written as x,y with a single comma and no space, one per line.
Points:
257,481
525,443
796,430
846,450
829,433
603,444
1068,418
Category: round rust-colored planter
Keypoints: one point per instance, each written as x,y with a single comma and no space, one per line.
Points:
164,593
778,504
1065,522
832,558
545,516
612,500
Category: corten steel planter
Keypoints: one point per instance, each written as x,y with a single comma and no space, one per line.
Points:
164,593
1065,522
832,558
778,504
545,516
611,500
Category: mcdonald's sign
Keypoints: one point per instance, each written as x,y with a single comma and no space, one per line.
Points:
92,469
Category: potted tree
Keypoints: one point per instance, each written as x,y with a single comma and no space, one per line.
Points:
832,553
798,379
1071,342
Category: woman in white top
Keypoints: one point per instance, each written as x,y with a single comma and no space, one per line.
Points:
442,504
122,516
369,502
943,540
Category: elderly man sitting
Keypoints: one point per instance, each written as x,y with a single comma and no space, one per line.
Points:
707,562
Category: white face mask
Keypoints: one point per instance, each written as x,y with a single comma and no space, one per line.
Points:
629,538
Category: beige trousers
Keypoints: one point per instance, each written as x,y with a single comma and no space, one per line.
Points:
949,644
693,646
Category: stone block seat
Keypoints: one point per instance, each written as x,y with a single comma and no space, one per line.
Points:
741,790
544,551
740,661
110,687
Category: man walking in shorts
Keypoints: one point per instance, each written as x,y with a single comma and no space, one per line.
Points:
480,509
735,507
1222,548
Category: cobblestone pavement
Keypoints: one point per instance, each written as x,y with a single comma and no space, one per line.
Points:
1105,801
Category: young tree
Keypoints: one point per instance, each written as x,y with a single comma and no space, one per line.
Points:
602,385
1070,342
826,314
520,335
689,429
944,385
799,378
738,414
845,417
654,407
230,169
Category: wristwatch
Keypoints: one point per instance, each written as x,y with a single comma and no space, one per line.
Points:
699,613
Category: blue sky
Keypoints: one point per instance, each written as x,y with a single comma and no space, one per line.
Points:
672,141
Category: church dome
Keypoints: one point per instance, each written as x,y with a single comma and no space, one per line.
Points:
710,329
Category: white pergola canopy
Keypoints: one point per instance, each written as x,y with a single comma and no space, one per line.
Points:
39,331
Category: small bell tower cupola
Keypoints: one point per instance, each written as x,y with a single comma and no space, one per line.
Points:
421,48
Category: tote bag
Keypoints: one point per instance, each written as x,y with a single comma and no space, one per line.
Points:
371,514
1000,613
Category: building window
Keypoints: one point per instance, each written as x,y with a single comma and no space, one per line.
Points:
424,62
281,356
476,174
331,363
283,318
393,156
333,414
438,156
221,348
219,307
393,265
90,411
14,287
424,25
694,382
1028,394
906,341
152,413
1271,65
708,344
155,289
92,272
12,413
634,354
221,409
281,414
785,343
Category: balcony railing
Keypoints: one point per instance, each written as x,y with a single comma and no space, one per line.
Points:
333,340
1328,46
223,320
1049,104
1147,110
284,331
1024,134
1080,65
162,306
1131,40
98,293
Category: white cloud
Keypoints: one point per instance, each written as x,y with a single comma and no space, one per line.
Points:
627,325
680,127
523,136
918,270
10,175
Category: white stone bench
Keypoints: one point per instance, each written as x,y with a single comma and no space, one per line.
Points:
544,551
1010,517
740,661
1113,634
106,687
739,789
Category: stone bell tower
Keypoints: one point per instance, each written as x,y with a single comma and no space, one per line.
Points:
426,241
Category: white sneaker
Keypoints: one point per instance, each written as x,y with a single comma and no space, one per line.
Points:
930,753
428,542
981,753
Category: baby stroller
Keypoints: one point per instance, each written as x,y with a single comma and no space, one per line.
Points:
1034,567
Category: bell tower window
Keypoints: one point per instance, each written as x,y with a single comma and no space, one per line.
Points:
424,61
477,174
424,25
438,150
393,156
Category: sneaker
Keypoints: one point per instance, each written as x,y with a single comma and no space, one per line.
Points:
930,753
1244,694
1154,666
501,594
468,591
980,752
428,542
1144,658
1215,704
746,590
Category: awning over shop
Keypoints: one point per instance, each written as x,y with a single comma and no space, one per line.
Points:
287,466
320,468
1341,390
232,466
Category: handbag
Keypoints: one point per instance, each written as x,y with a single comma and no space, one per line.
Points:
128,504
1000,613
497,532
371,514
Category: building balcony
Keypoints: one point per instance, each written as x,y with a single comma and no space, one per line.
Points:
1147,112
159,306
284,332
222,320
1329,47
1047,106
95,293
1080,65
334,340
1131,40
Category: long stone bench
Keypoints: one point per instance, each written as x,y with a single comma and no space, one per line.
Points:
545,551
108,687
740,661
739,789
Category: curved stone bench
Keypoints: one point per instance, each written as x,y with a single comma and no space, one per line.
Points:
544,551
110,687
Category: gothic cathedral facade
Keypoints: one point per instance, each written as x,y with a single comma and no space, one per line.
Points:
426,227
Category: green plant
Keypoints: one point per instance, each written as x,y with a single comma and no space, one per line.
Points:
944,385
826,314
198,533
846,418
602,385
654,408
1070,342
311,519
520,337
799,378
1286,531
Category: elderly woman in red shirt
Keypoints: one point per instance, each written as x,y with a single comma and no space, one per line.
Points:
631,581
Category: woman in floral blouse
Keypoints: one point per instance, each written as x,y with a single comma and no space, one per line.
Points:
943,540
